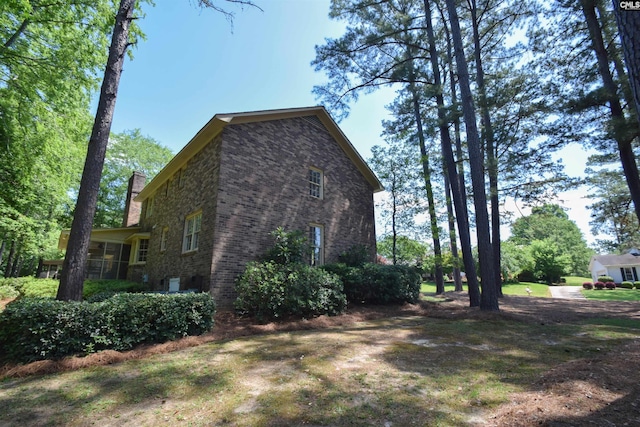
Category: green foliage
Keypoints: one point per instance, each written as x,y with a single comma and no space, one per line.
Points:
605,279
289,247
355,256
548,261
378,284
37,328
626,285
31,287
127,152
408,251
7,292
269,290
550,223
636,285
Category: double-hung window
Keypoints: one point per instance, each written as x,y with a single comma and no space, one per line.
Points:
142,250
316,241
315,183
191,232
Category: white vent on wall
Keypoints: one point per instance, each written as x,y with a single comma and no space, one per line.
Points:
174,284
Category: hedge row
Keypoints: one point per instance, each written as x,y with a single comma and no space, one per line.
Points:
37,328
378,284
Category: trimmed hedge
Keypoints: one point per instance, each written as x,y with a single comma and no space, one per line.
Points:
38,328
610,285
626,285
32,287
605,279
269,290
587,285
378,284
599,285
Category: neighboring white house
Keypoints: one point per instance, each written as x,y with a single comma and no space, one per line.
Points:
620,267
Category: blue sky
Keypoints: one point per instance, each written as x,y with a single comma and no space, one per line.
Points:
195,64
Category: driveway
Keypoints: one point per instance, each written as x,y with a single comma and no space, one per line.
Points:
566,292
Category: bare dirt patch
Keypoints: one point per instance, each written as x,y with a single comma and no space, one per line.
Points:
602,391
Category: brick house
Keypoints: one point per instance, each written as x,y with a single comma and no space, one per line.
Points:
212,208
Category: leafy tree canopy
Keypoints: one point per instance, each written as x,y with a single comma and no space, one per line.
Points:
550,222
127,152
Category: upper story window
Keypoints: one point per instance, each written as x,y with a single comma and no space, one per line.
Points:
315,183
149,207
192,226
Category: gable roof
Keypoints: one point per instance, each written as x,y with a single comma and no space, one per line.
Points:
220,121
616,260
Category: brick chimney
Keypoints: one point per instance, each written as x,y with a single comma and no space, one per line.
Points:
132,208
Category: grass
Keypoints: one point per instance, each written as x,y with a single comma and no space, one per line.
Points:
539,290
618,294
405,371
576,280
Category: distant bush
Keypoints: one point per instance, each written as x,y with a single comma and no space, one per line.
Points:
378,284
610,285
598,285
355,256
563,280
626,285
40,328
605,279
587,285
636,285
7,291
31,287
269,290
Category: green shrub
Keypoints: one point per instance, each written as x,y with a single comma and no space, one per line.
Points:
31,287
39,328
270,290
636,285
355,256
605,279
626,285
7,291
378,284
92,287
288,247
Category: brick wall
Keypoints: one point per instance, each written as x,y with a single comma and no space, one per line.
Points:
264,184
192,189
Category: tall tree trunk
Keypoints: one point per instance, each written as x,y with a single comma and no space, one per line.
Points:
426,170
459,197
9,266
457,279
489,143
618,121
629,29
489,296
73,270
2,246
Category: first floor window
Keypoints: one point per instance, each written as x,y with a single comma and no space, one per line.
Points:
191,232
316,241
143,249
628,274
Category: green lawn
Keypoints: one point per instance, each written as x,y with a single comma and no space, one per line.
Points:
618,294
537,289
403,371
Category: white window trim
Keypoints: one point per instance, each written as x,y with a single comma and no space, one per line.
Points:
191,247
149,209
135,253
312,183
